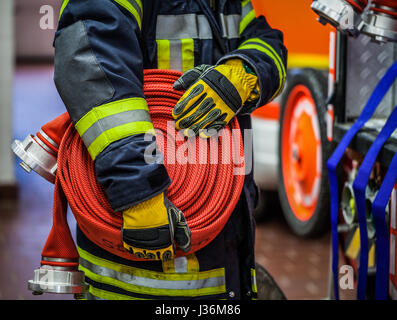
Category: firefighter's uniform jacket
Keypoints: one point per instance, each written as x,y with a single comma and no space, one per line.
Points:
101,50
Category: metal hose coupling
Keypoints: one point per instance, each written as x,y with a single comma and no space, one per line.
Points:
349,211
370,195
36,156
345,15
62,278
380,22
348,204
39,152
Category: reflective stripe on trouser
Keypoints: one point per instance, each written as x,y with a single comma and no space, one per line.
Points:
113,121
175,54
105,275
262,46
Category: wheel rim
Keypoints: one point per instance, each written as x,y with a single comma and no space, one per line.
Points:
301,153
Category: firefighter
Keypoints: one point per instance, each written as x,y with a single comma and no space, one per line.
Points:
233,62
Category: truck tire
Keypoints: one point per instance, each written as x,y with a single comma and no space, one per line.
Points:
303,151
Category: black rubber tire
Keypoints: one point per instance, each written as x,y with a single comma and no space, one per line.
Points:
316,82
268,289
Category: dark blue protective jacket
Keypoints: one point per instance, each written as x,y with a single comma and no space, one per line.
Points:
101,50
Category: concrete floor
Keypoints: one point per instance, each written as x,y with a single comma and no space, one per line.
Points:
299,266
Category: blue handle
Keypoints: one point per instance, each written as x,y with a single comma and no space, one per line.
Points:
380,91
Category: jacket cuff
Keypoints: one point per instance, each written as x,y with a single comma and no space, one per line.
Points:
265,72
126,176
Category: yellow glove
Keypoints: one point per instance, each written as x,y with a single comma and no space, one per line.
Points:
214,96
150,228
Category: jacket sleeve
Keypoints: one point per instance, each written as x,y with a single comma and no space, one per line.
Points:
262,48
99,76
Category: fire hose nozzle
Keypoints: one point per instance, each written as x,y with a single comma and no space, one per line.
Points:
61,280
36,157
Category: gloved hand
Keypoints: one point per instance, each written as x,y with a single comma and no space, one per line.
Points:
214,96
150,228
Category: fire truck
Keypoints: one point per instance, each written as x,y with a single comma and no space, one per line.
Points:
336,144
329,144
362,97
290,133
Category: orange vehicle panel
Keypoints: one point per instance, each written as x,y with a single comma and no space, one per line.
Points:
304,36
306,39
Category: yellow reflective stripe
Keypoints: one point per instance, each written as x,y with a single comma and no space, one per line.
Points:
169,266
109,109
317,61
150,274
253,280
281,76
124,3
163,54
147,273
100,142
260,45
64,4
152,291
117,133
107,295
187,54
190,264
246,20
270,48
177,54
129,7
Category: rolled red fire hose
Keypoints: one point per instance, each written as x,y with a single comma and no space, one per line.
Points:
206,187
358,5
387,7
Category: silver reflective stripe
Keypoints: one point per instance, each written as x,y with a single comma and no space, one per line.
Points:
184,26
113,121
176,55
253,279
230,25
246,9
204,29
153,283
136,7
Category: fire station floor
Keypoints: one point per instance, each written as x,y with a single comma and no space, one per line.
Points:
299,266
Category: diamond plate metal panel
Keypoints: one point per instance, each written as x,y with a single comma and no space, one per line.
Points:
367,62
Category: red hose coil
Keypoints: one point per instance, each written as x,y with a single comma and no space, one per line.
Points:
207,193
388,7
358,5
